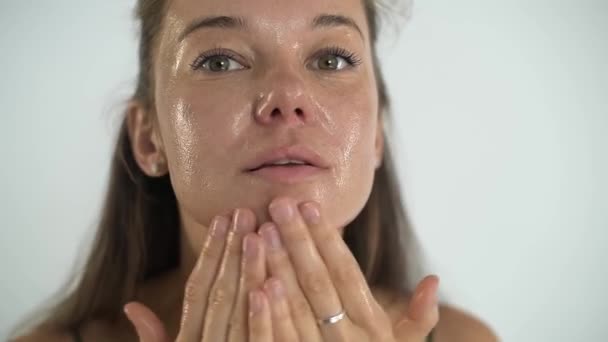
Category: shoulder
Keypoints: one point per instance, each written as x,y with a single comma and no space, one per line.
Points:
455,325
93,331
44,335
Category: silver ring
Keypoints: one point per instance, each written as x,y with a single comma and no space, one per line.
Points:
332,319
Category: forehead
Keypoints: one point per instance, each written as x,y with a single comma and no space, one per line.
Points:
279,17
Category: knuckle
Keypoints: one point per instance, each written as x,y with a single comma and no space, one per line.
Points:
250,271
237,329
326,236
211,251
300,308
280,312
346,275
314,283
256,328
280,262
192,291
300,236
219,295
250,274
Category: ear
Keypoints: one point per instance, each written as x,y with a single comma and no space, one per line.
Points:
379,142
146,143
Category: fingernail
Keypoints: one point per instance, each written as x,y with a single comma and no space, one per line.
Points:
125,308
437,293
220,227
310,213
281,211
255,302
250,247
140,333
276,289
272,238
432,298
241,221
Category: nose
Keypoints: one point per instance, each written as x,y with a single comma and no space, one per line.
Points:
283,100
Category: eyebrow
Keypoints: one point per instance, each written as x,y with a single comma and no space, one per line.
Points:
240,23
335,20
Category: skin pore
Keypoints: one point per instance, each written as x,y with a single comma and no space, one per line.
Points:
273,88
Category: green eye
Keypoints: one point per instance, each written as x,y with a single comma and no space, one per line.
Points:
217,60
330,62
335,58
217,63
221,63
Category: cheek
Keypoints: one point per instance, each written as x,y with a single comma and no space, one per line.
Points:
357,130
203,133
356,170
200,130
185,127
353,175
184,130
197,133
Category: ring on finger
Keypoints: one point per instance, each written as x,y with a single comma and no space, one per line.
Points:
332,319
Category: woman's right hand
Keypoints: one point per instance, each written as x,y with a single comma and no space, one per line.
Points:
231,264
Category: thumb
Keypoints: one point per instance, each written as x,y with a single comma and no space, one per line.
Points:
147,325
423,309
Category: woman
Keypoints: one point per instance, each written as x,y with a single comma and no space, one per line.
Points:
252,196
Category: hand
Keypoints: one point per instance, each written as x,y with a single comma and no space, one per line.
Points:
230,265
318,276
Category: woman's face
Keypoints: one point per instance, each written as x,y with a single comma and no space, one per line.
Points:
276,74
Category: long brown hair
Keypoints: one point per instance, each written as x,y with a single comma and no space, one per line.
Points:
138,234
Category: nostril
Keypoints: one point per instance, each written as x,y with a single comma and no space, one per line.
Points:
299,112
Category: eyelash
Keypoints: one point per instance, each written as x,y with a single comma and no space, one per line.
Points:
203,57
350,57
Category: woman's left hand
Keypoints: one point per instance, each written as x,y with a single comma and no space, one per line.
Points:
314,276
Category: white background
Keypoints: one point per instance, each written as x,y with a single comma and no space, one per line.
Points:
502,119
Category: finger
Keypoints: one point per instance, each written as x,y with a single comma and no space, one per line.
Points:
260,324
423,310
224,290
281,268
148,327
282,322
253,273
343,268
200,280
310,269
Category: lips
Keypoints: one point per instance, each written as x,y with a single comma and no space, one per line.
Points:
298,153
287,165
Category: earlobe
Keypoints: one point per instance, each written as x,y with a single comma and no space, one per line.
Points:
145,141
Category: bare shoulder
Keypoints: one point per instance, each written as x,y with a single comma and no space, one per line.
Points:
456,325
93,331
44,335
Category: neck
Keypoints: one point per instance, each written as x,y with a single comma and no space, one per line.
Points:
192,236
164,294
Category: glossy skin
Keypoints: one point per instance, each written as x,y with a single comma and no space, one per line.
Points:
311,273
276,92
208,126
276,86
